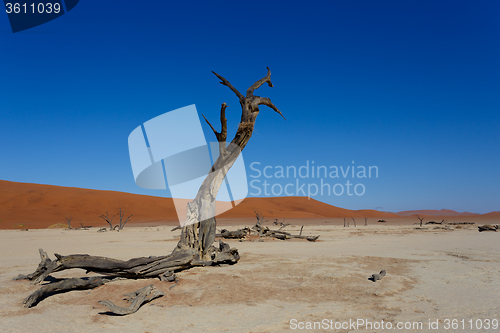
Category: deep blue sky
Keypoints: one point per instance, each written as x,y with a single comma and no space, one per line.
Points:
412,87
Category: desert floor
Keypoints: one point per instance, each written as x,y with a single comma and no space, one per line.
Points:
432,274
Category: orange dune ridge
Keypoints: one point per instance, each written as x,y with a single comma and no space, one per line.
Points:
31,206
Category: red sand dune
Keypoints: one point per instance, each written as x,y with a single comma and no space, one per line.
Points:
297,207
25,205
493,214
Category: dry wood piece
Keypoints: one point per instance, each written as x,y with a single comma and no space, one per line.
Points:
136,298
168,277
487,227
379,276
61,286
458,223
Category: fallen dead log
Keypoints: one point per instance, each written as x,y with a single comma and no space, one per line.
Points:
238,234
143,267
434,222
487,227
264,231
458,223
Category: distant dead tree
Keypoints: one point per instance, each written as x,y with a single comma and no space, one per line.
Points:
121,214
366,221
344,222
108,220
68,221
196,245
420,218
354,221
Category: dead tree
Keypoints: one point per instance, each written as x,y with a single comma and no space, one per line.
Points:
354,221
108,220
366,221
68,221
121,214
195,247
420,218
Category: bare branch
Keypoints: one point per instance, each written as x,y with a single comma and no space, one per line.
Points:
222,136
259,83
223,122
213,129
267,102
229,85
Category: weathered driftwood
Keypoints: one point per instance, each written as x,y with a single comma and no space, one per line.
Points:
487,227
136,298
195,247
379,276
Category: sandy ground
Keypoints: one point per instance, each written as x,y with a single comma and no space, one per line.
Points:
432,274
